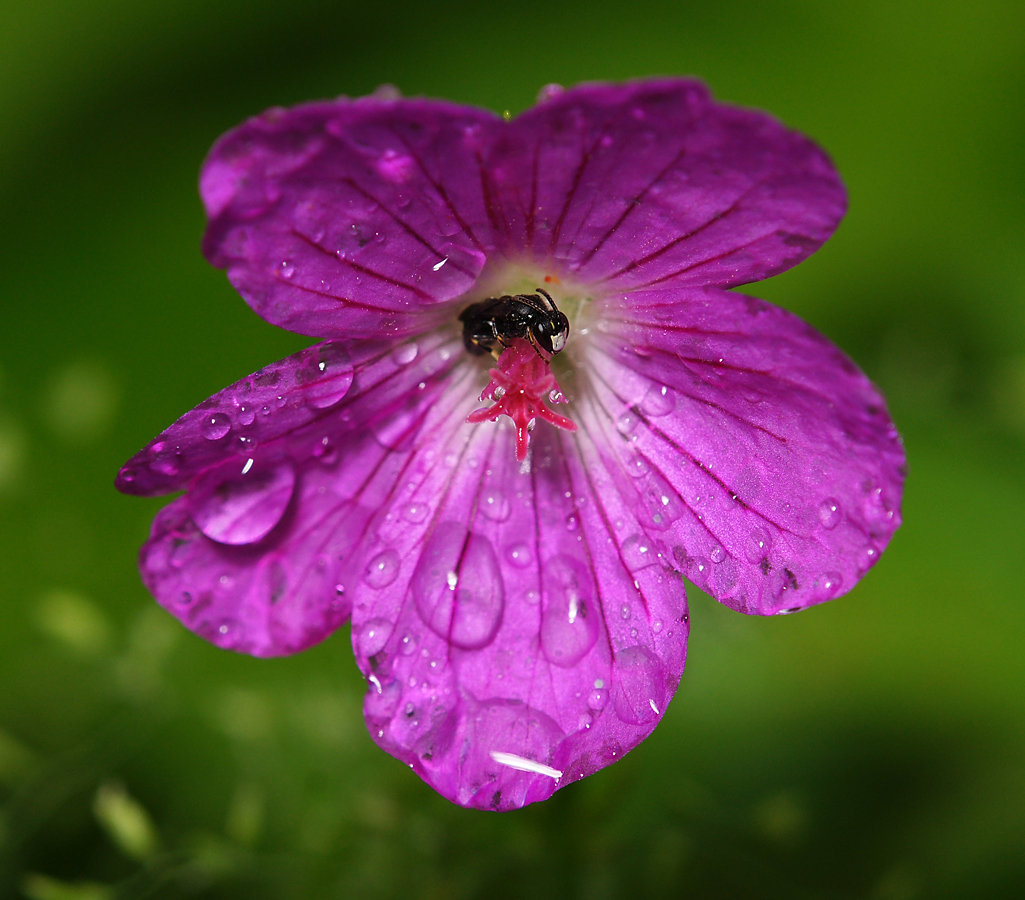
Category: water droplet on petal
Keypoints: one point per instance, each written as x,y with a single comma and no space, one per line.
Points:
495,505
830,513
415,512
638,687
597,699
373,636
828,585
246,415
569,620
325,375
382,569
658,401
627,423
215,426
458,588
637,466
717,554
867,557
638,552
235,507
287,270
404,354
519,555
758,544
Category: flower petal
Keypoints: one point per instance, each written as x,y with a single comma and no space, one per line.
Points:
258,556
750,447
642,182
510,646
355,219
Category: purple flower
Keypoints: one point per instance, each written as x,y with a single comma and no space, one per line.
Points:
519,614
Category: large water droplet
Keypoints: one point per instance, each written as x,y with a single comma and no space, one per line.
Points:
240,504
404,354
569,619
638,552
382,569
325,374
637,466
658,401
457,586
638,687
627,423
215,426
495,505
830,513
373,636
246,414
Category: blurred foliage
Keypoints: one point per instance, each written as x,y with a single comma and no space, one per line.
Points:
871,748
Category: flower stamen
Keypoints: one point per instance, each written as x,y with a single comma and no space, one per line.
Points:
518,386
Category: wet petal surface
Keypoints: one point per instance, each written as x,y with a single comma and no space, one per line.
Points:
647,181
524,650
351,218
753,451
260,556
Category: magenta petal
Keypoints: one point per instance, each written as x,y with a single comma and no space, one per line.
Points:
754,452
260,555
640,182
355,219
509,646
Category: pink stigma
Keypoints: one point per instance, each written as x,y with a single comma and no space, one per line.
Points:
518,386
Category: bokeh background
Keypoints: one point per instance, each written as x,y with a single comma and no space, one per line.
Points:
870,748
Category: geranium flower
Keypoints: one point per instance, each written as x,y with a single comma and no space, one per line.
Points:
518,609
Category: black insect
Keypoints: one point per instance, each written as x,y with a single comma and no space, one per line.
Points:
490,325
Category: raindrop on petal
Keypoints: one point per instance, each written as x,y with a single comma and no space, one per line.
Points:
569,620
830,513
382,569
215,426
638,688
232,506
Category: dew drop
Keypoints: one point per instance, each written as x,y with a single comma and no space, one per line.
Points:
758,544
638,689
458,588
215,426
572,522
415,512
407,646
569,620
624,611
867,557
495,505
246,415
627,423
235,508
827,586
717,554
382,569
638,552
637,466
658,401
597,699
373,636
519,555
830,513
404,354
287,270
326,375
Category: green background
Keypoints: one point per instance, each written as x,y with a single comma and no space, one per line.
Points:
869,748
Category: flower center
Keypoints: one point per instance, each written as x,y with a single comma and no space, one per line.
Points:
519,383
